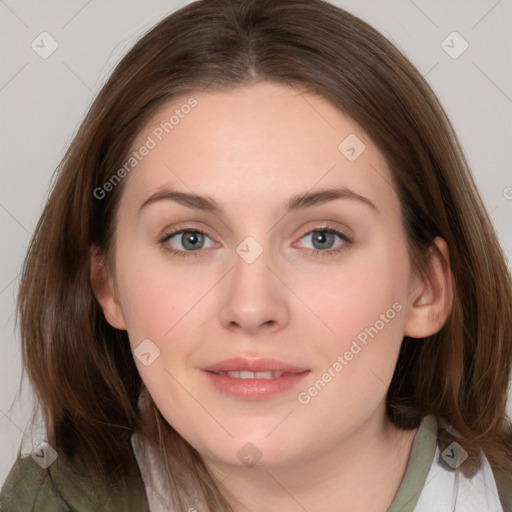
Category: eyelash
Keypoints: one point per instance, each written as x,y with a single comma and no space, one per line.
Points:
315,252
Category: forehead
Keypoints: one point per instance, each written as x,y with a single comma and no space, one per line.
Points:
266,140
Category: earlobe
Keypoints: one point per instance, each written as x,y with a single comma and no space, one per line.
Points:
104,290
432,298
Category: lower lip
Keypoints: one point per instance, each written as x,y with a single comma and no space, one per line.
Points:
254,389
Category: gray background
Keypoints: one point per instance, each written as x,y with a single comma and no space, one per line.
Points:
42,102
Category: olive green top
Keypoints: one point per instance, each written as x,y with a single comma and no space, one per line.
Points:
61,488
418,466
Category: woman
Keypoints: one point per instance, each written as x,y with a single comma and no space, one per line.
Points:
255,372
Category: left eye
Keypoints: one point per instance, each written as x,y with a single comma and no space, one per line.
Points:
324,238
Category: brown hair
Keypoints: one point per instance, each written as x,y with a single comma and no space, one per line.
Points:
82,369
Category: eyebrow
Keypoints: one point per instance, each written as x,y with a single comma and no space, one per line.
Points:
296,202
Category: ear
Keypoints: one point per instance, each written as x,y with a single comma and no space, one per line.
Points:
431,298
104,290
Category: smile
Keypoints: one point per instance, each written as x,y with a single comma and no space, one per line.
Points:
253,379
253,375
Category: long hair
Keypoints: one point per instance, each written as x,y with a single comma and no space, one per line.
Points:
82,369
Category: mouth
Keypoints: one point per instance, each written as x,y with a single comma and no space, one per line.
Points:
246,367
253,379
255,375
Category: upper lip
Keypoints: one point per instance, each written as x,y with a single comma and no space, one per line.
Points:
253,365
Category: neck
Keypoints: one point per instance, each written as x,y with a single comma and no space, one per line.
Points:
363,472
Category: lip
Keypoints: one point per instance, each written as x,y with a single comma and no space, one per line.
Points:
254,365
254,389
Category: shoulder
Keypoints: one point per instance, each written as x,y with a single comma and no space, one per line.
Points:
447,489
443,486
29,487
62,488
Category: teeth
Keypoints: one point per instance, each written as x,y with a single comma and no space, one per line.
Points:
267,375
252,375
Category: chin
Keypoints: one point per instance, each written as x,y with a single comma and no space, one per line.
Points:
249,451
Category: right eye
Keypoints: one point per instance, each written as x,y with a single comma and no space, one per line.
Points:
191,241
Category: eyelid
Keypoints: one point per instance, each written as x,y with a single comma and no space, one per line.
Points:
186,226
325,225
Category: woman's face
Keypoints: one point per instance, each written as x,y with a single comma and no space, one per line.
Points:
258,276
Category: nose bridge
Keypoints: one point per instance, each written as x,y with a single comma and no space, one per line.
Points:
254,296
252,262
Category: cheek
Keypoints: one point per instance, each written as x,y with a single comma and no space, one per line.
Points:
165,305
367,291
363,304
157,296
162,305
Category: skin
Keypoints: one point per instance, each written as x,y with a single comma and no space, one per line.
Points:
251,149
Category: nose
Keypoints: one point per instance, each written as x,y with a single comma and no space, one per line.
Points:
254,297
